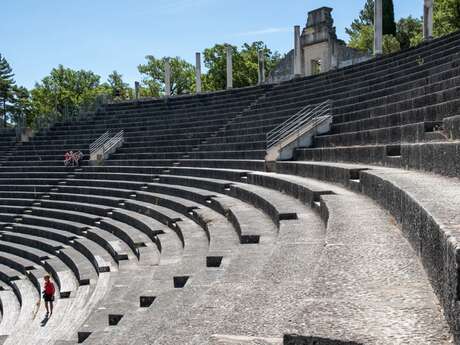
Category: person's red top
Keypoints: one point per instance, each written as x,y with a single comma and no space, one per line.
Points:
49,288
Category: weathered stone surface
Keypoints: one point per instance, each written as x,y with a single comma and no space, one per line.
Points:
452,126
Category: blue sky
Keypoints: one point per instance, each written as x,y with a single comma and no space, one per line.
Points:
107,35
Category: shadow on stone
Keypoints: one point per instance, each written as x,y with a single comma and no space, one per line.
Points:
292,339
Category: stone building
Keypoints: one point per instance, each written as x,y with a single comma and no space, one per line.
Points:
320,49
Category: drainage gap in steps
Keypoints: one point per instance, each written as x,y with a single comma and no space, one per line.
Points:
146,301
434,126
292,339
82,336
179,282
393,150
249,239
214,261
114,319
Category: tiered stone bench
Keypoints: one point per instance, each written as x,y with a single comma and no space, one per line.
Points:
185,235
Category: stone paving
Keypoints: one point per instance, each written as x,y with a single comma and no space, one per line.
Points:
356,280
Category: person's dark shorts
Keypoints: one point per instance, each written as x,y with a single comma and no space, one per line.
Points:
48,298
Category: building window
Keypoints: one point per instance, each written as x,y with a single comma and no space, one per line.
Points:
315,67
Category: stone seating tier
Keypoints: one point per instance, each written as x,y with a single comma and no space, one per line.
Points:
185,235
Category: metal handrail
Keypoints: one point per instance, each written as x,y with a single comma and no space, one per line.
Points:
305,116
97,144
117,138
104,144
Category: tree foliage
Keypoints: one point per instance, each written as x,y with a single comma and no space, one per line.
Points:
118,89
182,76
389,25
245,65
446,16
408,31
21,109
65,90
366,20
7,85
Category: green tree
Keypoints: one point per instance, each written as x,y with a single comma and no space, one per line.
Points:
182,76
215,61
64,91
366,18
21,110
390,44
118,88
363,39
7,84
409,32
389,25
245,65
446,16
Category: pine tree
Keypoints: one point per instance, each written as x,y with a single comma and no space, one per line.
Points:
6,86
389,25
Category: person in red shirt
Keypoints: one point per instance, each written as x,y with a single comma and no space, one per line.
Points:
48,295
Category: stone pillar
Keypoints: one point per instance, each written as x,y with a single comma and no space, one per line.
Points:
297,52
198,72
261,67
428,20
229,67
378,28
167,78
136,90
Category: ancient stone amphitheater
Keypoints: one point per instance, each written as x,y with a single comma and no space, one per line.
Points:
186,236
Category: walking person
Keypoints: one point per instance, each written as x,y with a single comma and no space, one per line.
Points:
48,295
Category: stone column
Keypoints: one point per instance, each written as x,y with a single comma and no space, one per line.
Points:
167,78
428,20
261,67
229,67
136,90
297,52
198,72
378,28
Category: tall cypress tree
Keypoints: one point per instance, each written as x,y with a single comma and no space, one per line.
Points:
389,25
6,85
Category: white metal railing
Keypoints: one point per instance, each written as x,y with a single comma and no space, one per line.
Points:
97,144
306,117
105,145
114,141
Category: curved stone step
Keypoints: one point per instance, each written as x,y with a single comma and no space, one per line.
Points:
10,310
39,250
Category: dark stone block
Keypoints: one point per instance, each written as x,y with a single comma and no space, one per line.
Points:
432,253
411,221
409,134
411,156
452,127
444,156
427,157
301,340
457,159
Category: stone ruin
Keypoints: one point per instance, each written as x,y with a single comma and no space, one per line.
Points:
321,50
